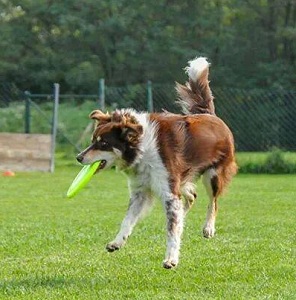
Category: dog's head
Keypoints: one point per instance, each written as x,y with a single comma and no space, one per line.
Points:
115,140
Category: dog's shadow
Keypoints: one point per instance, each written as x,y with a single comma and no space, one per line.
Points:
30,284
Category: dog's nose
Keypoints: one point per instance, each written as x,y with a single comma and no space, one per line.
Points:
79,158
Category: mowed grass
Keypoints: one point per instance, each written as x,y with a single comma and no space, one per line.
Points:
54,248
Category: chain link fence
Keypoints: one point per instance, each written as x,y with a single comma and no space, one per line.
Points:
259,119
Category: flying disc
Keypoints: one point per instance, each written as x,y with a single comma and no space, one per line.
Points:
82,178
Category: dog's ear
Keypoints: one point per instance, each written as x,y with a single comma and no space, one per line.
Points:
100,117
117,117
132,133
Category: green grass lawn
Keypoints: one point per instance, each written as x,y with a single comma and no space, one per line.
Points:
54,248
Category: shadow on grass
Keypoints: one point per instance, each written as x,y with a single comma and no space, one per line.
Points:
21,286
54,285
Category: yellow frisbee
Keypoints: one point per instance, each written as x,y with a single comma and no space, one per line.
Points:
82,178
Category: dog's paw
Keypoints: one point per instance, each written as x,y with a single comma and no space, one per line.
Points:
169,264
208,232
111,247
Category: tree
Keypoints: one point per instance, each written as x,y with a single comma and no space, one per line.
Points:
250,43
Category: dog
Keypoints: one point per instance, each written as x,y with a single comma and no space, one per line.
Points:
163,154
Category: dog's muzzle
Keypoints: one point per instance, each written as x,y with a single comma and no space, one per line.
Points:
79,158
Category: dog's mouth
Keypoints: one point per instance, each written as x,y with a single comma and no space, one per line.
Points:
102,165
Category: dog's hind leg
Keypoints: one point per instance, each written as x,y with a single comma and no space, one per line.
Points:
211,183
139,203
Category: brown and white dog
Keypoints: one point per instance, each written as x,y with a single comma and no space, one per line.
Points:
163,154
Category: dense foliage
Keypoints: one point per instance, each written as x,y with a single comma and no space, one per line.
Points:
250,43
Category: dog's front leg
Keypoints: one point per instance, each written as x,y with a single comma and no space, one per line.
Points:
139,203
175,215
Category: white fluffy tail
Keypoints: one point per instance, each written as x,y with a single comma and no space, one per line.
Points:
196,96
196,67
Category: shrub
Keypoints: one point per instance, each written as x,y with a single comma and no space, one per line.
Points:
275,162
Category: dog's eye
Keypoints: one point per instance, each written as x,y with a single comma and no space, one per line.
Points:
101,145
104,145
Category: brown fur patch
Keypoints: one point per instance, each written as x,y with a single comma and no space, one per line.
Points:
189,145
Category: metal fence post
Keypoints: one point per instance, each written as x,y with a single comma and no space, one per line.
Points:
27,112
102,94
54,124
149,96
